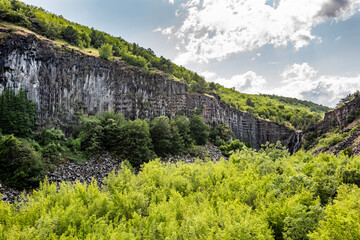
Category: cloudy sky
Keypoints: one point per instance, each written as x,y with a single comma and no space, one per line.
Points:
308,49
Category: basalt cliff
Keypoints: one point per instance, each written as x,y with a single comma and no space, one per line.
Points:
63,81
342,127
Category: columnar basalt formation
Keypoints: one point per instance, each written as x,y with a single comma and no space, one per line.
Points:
63,81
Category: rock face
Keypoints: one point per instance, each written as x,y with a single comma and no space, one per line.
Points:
338,117
63,81
346,119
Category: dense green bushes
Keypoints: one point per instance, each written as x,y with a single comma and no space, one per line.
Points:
106,51
228,148
139,141
24,161
166,137
111,132
254,195
21,166
342,219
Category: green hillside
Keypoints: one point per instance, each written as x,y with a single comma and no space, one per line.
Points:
291,112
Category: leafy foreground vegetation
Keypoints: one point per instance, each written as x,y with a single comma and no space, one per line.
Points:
288,111
255,195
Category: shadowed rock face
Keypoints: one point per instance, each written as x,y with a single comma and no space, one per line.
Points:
63,81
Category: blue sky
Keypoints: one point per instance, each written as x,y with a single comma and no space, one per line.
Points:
308,49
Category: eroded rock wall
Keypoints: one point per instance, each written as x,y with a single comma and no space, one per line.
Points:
63,81
338,117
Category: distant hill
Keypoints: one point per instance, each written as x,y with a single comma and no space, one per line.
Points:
313,107
292,112
287,111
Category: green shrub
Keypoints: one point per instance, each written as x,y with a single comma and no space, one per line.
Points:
48,136
51,154
342,219
161,135
183,125
220,134
228,149
106,51
331,140
348,151
71,35
166,137
199,130
90,135
21,167
136,145
350,176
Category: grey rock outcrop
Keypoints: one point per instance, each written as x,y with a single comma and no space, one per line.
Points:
63,81
339,117
346,119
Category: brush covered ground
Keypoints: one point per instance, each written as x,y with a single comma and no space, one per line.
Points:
254,195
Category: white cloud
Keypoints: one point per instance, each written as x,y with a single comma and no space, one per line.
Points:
248,82
208,75
298,72
164,31
171,1
338,38
301,81
298,81
215,29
